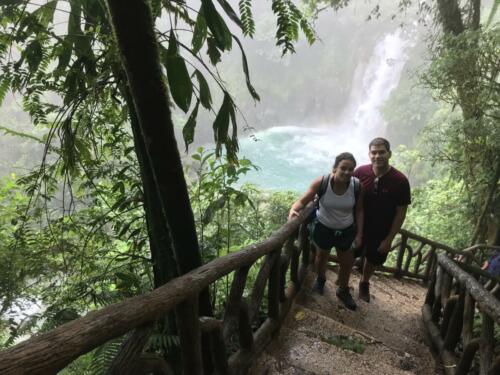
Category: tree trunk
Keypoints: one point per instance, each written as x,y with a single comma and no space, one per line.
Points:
133,27
450,16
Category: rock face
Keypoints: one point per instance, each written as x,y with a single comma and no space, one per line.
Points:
320,336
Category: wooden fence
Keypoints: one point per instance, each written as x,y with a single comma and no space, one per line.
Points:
286,257
283,261
449,312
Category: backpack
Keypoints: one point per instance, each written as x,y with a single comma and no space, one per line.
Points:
322,190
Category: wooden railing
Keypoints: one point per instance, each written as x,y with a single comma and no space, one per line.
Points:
450,307
414,256
283,261
286,257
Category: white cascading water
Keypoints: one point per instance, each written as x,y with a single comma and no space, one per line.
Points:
291,157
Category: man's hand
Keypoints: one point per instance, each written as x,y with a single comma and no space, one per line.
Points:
358,240
385,246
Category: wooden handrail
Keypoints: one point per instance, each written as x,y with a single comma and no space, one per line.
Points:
52,351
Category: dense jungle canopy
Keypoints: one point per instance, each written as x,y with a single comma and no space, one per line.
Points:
122,124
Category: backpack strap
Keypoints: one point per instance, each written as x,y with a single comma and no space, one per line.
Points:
323,186
357,186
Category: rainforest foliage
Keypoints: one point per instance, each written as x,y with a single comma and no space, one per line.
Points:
92,224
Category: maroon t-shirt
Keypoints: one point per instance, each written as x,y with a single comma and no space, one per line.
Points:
382,198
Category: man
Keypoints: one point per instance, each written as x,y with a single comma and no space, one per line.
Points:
386,199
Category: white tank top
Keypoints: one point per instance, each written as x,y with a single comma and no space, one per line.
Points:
336,211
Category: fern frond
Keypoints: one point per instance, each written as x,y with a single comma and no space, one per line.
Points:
4,87
247,17
104,355
284,25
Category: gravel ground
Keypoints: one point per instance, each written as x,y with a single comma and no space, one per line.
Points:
321,336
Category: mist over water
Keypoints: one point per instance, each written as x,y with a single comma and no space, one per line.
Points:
290,157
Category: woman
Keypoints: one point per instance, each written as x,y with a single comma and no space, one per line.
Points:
338,223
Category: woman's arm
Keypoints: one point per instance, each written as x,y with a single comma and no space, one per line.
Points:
305,199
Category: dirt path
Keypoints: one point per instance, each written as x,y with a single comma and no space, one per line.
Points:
320,336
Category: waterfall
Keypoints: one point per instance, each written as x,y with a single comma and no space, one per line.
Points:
291,157
372,85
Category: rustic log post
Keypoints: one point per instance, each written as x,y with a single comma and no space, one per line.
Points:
495,368
408,258
447,312
130,351
150,363
245,333
436,307
467,357
273,289
233,304
455,325
259,285
487,344
283,263
218,351
401,252
431,258
449,359
294,267
468,322
445,287
304,243
430,297
188,327
418,254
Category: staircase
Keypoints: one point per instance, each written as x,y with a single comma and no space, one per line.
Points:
320,336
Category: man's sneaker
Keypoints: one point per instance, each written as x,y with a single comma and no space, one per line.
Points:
344,295
364,291
319,285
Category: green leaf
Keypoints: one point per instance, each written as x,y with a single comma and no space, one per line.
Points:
64,54
4,87
217,25
221,123
251,89
33,54
212,210
205,96
230,13
178,76
10,2
199,32
188,129
45,13
213,51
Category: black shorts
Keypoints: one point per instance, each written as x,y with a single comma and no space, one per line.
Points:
325,238
370,251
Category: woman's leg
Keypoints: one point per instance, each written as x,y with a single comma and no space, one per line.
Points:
346,261
321,262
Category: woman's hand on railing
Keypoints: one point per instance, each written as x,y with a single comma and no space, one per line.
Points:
293,214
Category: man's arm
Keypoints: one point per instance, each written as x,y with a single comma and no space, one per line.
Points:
360,218
397,223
